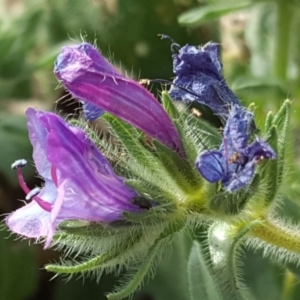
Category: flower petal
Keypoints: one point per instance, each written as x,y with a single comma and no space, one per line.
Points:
260,148
238,128
211,165
199,78
37,136
92,191
242,178
31,220
90,78
91,112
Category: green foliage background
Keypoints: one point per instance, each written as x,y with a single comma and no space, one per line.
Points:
261,56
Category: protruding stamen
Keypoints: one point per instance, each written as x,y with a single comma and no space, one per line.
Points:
21,180
32,193
20,163
43,204
54,175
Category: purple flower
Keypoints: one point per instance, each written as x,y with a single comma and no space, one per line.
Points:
234,163
79,181
198,78
92,79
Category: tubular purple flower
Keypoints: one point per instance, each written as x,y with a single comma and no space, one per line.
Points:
199,78
92,79
79,181
234,163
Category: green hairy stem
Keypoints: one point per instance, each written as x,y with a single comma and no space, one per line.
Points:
277,235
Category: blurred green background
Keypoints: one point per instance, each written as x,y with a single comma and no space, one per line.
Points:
261,56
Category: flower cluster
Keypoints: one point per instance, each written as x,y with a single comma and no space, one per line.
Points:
161,172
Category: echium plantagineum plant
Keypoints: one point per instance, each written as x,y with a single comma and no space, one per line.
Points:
118,205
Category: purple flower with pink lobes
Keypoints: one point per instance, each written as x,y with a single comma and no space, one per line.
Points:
235,161
90,78
79,184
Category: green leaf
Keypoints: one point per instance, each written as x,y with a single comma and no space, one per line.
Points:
210,12
107,258
170,281
148,262
200,279
135,282
259,26
259,87
263,278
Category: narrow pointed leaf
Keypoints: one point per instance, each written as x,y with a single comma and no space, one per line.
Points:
169,106
270,173
200,279
269,121
179,168
210,12
149,260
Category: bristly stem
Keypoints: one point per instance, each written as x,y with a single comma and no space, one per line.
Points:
277,235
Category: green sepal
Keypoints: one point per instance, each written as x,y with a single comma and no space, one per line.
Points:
269,121
178,168
149,190
282,119
200,279
226,203
283,115
88,265
84,228
224,241
144,162
149,261
169,106
147,216
270,172
276,128
129,138
207,136
188,142
98,261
